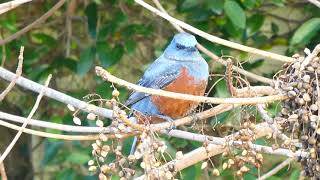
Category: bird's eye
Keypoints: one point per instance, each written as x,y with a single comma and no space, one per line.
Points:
179,46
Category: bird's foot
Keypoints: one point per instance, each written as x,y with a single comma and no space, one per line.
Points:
194,117
168,119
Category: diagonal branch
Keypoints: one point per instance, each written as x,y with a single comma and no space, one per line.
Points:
210,150
214,38
223,141
14,80
33,110
61,136
213,100
215,57
7,6
276,169
33,24
51,93
315,2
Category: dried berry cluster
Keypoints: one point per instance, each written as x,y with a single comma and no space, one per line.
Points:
119,166
150,150
299,115
247,157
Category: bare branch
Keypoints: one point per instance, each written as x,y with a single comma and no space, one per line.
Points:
215,58
56,126
270,121
223,141
18,74
33,24
7,6
210,150
214,38
276,169
61,136
33,110
315,2
213,100
3,171
51,93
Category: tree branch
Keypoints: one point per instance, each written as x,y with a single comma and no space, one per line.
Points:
18,74
7,6
213,100
315,2
214,38
33,110
51,93
276,169
215,58
33,24
61,136
210,150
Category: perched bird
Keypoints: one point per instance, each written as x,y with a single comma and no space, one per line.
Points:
179,69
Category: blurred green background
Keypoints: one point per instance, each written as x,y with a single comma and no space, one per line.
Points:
125,38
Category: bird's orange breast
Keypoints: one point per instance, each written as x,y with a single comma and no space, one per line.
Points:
186,84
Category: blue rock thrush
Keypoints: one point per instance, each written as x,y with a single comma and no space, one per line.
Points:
179,69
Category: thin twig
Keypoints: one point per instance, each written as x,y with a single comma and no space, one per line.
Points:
33,110
315,2
56,126
210,150
214,38
213,100
61,136
18,74
7,6
51,93
270,121
223,141
215,58
3,172
33,24
276,169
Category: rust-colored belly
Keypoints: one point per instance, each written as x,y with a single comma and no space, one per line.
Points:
186,84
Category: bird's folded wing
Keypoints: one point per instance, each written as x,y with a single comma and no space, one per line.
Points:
157,81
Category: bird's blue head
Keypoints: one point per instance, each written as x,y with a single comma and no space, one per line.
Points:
182,47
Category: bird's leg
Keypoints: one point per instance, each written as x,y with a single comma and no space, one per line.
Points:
194,117
168,119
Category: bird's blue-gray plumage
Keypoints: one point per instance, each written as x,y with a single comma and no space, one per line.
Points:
180,53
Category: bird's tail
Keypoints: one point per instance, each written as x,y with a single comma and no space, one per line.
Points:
135,139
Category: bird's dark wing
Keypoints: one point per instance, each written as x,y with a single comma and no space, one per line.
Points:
158,81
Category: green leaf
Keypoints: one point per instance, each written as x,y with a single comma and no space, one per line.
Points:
188,4
86,61
249,3
295,175
253,65
104,53
108,56
78,158
51,150
46,39
233,30
68,174
215,6
305,32
130,46
92,16
255,22
235,13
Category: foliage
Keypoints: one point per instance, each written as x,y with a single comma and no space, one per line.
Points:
125,38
